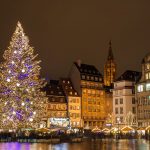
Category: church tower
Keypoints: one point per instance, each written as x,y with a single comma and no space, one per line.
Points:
109,68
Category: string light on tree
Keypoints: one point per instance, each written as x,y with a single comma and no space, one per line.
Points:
21,106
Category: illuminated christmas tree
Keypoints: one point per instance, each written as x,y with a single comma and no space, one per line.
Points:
22,101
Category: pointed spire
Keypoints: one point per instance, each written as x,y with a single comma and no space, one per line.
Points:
110,52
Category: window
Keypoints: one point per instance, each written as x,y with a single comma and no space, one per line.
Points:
121,100
96,78
87,77
133,91
116,92
147,86
147,66
116,101
116,110
121,110
92,78
133,100
121,119
146,76
133,110
70,107
83,76
140,88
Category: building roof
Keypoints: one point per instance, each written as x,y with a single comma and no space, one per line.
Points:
130,75
68,87
55,90
88,69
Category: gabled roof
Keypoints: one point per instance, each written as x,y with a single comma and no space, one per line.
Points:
54,88
88,69
68,87
130,75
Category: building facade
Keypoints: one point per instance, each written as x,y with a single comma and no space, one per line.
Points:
88,82
73,103
124,102
143,94
56,106
109,68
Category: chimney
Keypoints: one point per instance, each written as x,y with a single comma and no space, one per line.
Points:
78,62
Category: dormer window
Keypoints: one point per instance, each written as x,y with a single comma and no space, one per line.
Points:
59,92
92,78
83,76
87,77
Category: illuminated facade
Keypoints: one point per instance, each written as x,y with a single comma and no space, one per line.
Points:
124,102
109,68
73,102
56,106
88,82
143,94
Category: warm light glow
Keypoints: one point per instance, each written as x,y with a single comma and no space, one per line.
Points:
21,104
23,70
18,84
8,80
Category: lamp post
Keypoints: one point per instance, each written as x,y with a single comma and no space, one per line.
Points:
118,121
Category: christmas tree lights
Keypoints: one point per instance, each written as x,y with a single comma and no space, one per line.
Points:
21,99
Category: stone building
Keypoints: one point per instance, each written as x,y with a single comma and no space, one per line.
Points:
88,82
124,102
56,106
143,94
73,103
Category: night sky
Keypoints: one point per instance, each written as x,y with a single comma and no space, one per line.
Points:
62,31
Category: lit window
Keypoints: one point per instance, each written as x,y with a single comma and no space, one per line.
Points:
87,77
147,86
146,76
96,78
92,78
140,88
147,66
83,76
